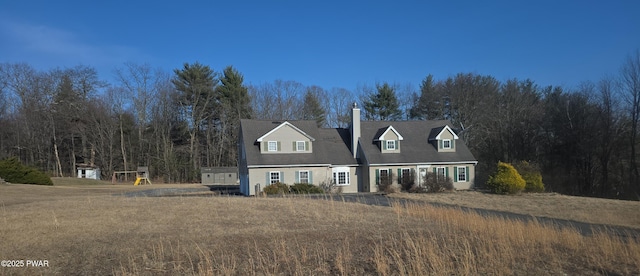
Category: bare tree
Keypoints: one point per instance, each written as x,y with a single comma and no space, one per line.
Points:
279,100
630,82
138,81
338,107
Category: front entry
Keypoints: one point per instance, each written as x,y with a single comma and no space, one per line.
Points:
422,174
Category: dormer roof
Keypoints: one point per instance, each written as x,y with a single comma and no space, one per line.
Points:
383,132
415,147
260,139
436,133
331,145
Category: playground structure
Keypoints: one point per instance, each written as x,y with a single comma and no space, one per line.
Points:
142,176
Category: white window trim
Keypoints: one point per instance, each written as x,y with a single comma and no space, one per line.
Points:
300,176
444,145
444,172
388,172
298,143
391,142
466,175
275,146
403,171
271,177
336,175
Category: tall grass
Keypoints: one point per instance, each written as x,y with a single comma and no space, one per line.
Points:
92,233
426,241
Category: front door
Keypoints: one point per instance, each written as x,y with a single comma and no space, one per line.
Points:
422,174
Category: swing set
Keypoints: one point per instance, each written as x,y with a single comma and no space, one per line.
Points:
142,176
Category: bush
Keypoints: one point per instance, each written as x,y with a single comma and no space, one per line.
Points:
505,180
437,184
276,189
433,183
304,188
407,181
11,170
385,184
330,187
532,177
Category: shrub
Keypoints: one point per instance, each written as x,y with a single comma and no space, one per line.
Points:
407,181
385,183
330,187
304,188
531,175
276,189
433,183
505,180
11,170
436,184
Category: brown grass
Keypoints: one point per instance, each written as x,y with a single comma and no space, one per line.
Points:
86,230
551,205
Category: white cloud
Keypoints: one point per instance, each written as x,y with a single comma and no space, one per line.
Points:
29,41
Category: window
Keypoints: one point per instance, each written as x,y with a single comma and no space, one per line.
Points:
274,177
300,146
406,172
384,174
462,174
273,146
341,176
446,143
384,177
441,172
406,176
391,144
303,177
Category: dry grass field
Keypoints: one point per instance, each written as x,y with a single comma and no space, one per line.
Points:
84,229
551,205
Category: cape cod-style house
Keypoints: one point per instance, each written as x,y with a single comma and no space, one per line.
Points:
354,158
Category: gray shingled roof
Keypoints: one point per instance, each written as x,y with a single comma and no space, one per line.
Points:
330,146
415,148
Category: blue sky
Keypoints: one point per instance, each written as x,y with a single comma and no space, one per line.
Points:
330,43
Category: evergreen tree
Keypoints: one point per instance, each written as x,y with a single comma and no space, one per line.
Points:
235,104
233,95
312,109
196,85
429,104
383,105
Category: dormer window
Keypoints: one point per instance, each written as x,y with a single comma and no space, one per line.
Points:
446,144
388,139
285,139
272,146
391,144
301,146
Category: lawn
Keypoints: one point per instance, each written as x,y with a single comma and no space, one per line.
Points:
91,229
551,205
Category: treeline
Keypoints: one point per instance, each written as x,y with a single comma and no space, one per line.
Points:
583,139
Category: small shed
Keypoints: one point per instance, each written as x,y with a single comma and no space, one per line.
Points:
219,175
87,171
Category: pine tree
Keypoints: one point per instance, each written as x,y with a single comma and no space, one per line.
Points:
312,110
428,105
383,105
